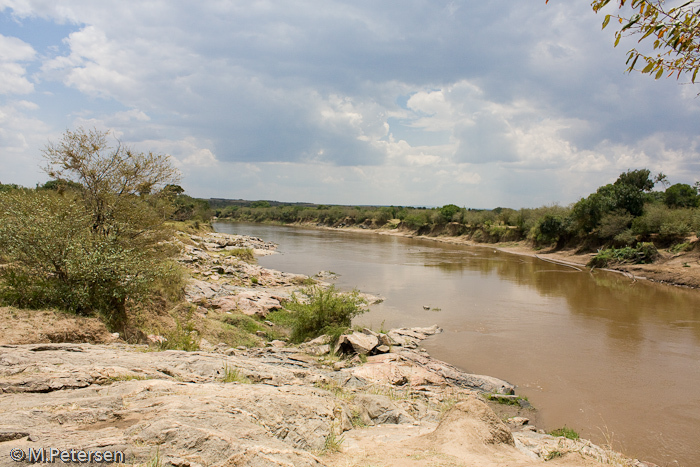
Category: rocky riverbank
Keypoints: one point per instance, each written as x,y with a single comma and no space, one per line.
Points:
383,401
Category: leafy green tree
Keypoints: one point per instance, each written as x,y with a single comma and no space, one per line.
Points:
588,212
448,211
672,31
94,248
549,229
9,187
639,179
681,195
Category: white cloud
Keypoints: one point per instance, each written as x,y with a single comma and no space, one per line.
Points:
458,97
13,53
21,137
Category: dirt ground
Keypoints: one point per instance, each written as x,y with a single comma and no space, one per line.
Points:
681,269
38,327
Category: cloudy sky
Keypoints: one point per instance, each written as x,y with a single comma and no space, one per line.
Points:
404,102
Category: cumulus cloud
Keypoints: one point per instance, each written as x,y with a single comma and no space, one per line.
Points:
14,53
483,103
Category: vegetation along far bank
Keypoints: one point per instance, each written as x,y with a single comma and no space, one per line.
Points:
627,225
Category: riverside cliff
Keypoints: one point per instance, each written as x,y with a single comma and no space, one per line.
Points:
73,385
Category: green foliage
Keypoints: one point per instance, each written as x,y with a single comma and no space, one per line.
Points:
244,322
638,179
58,260
643,253
183,337
333,443
614,223
618,214
549,229
9,187
503,399
566,432
588,212
320,311
673,33
93,241
448,211
681,247
61,186
114,181
681,195
669,225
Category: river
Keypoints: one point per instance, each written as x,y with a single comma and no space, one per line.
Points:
613,359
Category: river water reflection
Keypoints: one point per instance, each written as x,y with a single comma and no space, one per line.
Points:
602,354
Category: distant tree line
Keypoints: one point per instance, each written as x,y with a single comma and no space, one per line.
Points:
622,214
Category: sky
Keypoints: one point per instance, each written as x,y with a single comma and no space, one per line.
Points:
404,102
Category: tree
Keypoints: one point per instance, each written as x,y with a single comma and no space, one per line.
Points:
110,177
448,211
674,34
681,195
94,247
639,179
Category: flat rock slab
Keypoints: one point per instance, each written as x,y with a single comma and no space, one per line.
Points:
249,303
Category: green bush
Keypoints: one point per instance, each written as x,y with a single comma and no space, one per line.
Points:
58,260
97,246
613,224
183,337
643,253
548,229
670,224
318,311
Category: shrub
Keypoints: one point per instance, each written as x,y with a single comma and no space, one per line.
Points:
320,311
447,212
548,229
613,224
58,260
93,247
643,253
183,337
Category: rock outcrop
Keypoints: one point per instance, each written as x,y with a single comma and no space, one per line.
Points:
271,406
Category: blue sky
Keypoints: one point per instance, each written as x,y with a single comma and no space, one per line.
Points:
411,102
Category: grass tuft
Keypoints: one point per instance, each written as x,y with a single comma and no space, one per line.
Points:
566,432
233,375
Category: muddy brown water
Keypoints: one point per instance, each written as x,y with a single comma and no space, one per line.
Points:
613,359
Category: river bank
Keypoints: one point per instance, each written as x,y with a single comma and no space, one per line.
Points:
266,403
681,268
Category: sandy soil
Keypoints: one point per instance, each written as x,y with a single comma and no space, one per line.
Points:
41,327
